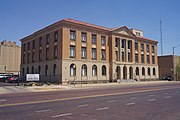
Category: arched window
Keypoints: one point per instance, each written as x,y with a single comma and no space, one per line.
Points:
46,70
32,70
104,70
137,71
154,71
54,69
72,70
149,71
94,70
143,71
84,70
39,69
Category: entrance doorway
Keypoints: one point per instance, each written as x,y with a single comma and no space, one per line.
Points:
118,72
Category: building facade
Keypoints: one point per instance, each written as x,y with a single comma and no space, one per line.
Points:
71,50
10,57
168,66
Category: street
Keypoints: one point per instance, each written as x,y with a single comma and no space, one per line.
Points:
154,102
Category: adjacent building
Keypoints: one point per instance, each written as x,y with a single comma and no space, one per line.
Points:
168,66
10,57
70,50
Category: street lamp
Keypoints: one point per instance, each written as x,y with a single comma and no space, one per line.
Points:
175,47
74,67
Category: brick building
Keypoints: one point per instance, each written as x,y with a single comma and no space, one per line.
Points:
10,57
73,50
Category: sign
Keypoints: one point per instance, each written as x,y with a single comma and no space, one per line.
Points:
32,77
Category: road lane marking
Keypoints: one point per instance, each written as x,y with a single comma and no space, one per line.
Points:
3,100
151,95
83,105
111,101
132,103
133,98
150,100
39,111
88,96
104,108
166,93
167,97
61,115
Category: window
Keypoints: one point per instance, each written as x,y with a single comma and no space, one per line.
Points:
24,48
103,54
117,56
136,58
123,43
154,71
137,71
103,40
129,57
143,71
104,70
152,49
142,47
93,39
72,51
72,35
47,53
54,69
23,71
72,70
40,41
55,52
148,61
136,46
117,42
28,59
153,60
33,56
28,45
83,52
33,44
138,33
46,70
147,48
24,58
27,70
94,53
56,36
83,36
123,58
47,39
149,71
32,70
94,70
142,58
39,69
129,44
40,55
84,70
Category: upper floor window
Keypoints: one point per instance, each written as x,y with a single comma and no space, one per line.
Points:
72,51
47,53
83,52
117,42
136,46
33,44
152,49
55,52
147,48
72,35
153,60
56,36
142,47
103,40
33,56
142,58
136,58
40,55
93,39
83,36
129,44
28,45
40,41
24,47
123,43
47,39
94,53
103,54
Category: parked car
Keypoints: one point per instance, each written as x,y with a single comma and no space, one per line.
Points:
168,77
12,79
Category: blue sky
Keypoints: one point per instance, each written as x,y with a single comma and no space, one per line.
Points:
19,18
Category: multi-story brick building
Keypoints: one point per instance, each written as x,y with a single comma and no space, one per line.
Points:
10,57
73,50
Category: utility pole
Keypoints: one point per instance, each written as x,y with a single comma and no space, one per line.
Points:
161,37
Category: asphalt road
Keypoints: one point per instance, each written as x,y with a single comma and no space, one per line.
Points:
155,102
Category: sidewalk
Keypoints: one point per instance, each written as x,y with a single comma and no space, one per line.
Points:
18,89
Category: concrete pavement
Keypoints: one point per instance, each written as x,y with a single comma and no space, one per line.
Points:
18,89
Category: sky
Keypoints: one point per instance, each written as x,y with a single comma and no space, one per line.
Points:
19,18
